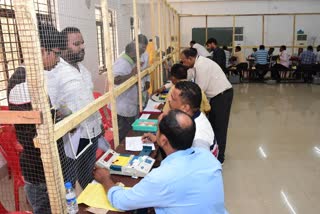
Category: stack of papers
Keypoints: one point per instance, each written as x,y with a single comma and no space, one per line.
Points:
95,196
151,106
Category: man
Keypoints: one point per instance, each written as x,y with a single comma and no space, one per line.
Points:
144,59
318,54
186,96
188,180
71,88
211,79
179,73
283,64
127,103
218,54
261,59
307,61
19,100
202,51
241,63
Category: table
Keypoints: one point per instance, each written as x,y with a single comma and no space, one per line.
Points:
126,180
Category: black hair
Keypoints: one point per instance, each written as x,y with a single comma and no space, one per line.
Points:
193,42
283,47
49,36
142,39
180,135
310,48
130,47
190,94
190,52
238,48
261,47
212,40
179,71
64,34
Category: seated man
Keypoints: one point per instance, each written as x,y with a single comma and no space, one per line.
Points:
189,180
262,65
186,96
179,73
283,64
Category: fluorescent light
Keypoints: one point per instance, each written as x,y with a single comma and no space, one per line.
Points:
263,154
287,202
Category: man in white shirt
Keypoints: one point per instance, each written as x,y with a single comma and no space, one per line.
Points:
202,51
212,80
70,88
283,64
127,103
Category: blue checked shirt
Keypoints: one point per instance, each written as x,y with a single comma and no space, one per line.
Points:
308,57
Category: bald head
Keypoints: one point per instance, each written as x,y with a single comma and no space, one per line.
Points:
178,128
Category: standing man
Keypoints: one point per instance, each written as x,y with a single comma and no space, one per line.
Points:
189,180
71,88
212,80
202,51
218,54
127,103
19,100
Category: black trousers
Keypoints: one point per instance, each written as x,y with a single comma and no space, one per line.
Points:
275,71
219,119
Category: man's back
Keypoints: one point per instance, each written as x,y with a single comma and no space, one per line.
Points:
261,57
202,51
188,181
307,57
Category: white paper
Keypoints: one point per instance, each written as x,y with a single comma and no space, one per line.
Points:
136,144
71,143
151,106
144,116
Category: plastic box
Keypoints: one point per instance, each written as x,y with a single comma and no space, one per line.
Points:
147,125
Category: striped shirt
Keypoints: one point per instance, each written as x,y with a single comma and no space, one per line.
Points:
261,57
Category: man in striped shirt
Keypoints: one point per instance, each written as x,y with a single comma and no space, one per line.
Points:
261,61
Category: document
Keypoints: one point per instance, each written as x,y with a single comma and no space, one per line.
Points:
151,106
144,116
136,144
95,196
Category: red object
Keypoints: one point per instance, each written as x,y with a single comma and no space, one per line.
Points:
105,113
11,149
4,211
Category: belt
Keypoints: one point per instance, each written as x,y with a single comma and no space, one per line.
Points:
225,91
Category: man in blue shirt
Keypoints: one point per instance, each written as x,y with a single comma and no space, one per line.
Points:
188,180
307,61
261,58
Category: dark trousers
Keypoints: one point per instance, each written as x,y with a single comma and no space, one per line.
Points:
124,124
306,71
261,70
219,119
275,71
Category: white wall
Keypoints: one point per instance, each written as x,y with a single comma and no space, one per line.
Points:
246,7
278,29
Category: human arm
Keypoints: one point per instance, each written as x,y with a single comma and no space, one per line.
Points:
102,175
122,78
148,137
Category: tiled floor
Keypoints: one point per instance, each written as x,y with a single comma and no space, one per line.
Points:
273,152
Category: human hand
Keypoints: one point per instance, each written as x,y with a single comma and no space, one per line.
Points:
134,70
148,137
101,174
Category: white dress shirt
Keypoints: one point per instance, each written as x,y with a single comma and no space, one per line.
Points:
210,77
71,89
202,51
284,58
204,136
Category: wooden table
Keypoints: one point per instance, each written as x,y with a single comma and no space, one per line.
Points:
126,180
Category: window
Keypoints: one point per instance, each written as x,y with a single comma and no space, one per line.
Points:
100,37
10,49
